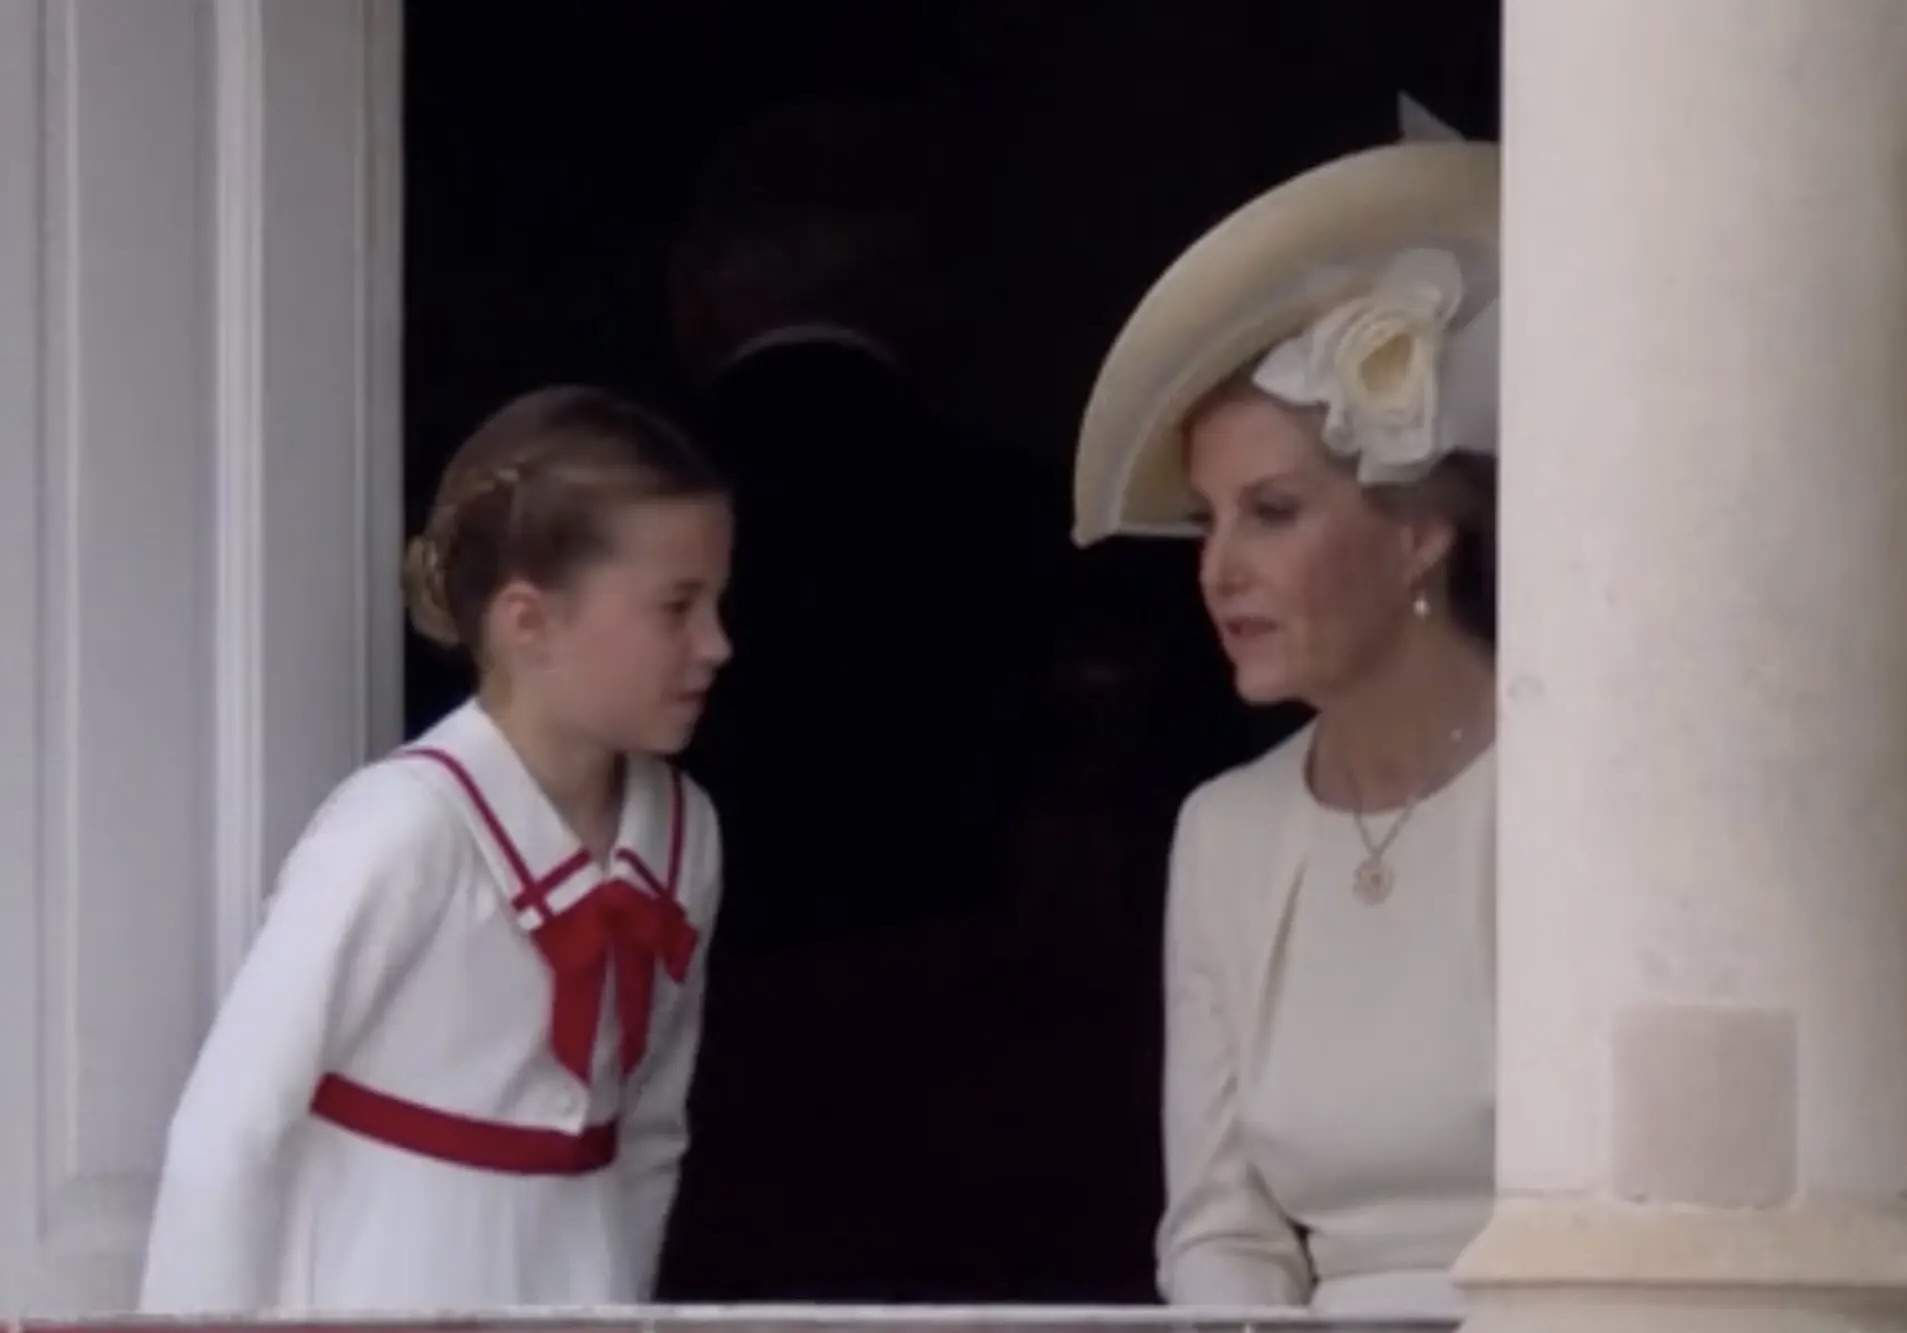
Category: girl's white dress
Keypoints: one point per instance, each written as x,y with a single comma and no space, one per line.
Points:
452,1072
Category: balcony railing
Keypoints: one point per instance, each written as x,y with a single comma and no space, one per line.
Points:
789,1319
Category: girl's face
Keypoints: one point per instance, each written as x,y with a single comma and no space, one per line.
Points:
1308,582
626,651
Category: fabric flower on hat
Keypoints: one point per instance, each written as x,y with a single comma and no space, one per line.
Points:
1373,363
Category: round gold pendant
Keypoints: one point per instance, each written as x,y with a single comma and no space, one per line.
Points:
1373,881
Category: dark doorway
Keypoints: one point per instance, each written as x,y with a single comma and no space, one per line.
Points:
930,1059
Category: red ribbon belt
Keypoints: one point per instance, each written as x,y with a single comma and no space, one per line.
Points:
486,1145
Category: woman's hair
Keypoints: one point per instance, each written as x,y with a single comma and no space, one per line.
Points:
1461,489
530,496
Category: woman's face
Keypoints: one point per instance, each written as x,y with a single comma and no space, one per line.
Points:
1309,583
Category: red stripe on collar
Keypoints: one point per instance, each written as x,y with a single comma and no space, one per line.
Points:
663,888
677,820
535,889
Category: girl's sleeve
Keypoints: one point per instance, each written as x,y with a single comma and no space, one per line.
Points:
655,1126
356,901
1223,1240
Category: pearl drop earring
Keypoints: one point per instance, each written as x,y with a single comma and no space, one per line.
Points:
1421,607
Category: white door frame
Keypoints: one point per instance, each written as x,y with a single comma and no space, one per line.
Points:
200,512
280,120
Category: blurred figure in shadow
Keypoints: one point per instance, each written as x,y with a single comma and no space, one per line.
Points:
884,606
878,541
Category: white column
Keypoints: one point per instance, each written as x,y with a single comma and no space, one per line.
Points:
199,472
1703,1044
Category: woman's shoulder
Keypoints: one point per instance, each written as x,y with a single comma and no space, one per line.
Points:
1238,834
1252,789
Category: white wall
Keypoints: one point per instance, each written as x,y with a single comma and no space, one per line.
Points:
199,472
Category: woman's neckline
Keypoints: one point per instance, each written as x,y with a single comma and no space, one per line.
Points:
1306,740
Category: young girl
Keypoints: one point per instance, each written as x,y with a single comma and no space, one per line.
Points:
452,1072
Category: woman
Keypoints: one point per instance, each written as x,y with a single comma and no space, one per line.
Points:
1311,389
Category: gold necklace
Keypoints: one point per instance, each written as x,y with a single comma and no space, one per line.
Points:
1375,878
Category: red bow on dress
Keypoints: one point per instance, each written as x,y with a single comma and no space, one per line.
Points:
638,930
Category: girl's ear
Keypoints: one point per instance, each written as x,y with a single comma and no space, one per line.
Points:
519,621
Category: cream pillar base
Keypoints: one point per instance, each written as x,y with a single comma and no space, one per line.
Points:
1567,1266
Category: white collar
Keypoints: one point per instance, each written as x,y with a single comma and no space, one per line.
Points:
539,864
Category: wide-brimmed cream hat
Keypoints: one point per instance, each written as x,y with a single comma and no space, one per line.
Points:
1259,278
